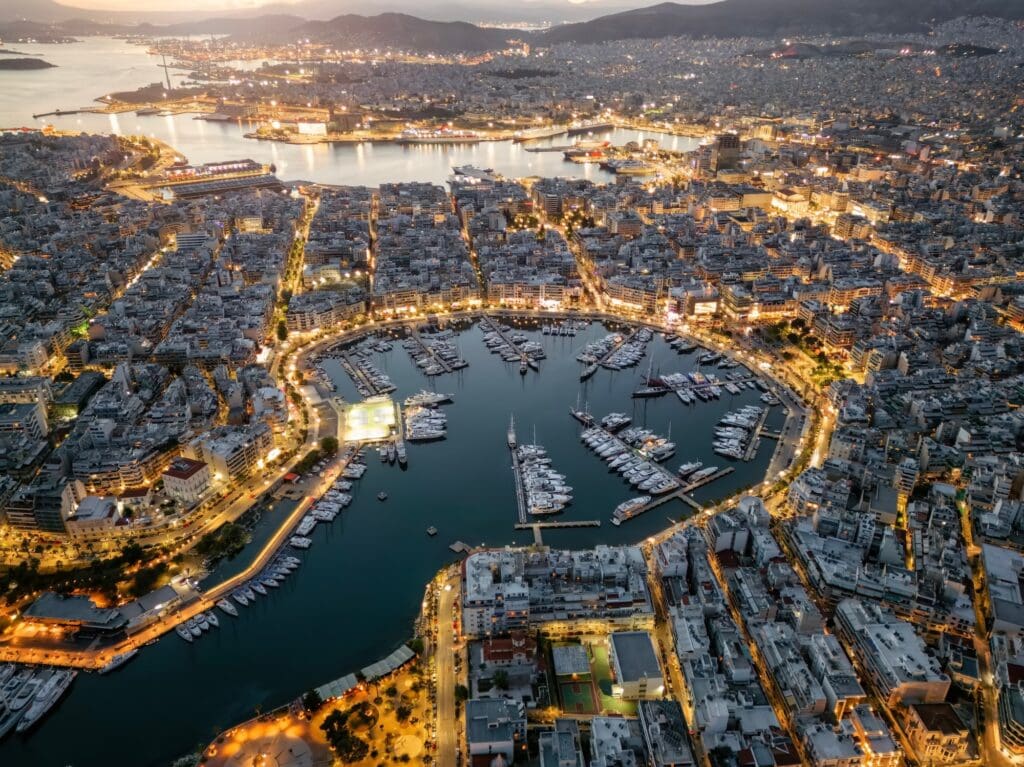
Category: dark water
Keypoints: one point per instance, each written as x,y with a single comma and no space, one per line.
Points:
97,66
360,586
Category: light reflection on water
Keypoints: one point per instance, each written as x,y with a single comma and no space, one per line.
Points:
97,66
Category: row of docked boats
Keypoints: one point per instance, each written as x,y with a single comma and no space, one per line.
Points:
637,468
564,328
695,471
369,380
327,507
514,346
425,423
269,578
629,353
735,430
27,694
649,444
544,489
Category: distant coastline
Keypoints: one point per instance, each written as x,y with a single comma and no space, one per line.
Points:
25,64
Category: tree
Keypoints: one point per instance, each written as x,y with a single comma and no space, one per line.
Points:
282,330
347,746
416,645
461,692
311,701
329,445
501,679
391,691
403,712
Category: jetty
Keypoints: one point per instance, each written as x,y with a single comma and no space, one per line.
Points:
708,480
429,350
755,436
537,527
517,474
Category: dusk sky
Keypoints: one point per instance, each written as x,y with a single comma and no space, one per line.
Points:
221,5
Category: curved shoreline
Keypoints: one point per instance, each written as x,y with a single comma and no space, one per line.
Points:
94,659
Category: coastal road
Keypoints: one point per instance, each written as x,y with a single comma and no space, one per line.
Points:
444,658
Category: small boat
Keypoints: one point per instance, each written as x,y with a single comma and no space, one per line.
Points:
258,588
118,660
227,607
204,625
431,531
193,626
184,633
212,619
249,593
239,597
382,496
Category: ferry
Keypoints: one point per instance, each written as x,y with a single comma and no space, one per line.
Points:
46,698
118,660
629,508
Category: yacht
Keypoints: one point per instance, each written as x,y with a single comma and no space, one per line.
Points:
426,398
615,421
400,452
239,597
193,627
299,542
629,508
703,474
227,607
212,619
392,452
47,697
688,468
204,625
258,588
119,660
26,693
247,589
183,632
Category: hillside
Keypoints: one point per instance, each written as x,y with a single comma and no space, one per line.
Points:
398,30
776,18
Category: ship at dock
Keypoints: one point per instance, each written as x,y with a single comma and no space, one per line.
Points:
440,136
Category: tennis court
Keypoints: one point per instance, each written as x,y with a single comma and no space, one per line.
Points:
578,697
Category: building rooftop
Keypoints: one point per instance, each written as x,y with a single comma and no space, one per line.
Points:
636,656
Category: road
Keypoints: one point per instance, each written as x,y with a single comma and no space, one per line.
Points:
444,657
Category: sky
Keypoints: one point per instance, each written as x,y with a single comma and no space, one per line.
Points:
222,5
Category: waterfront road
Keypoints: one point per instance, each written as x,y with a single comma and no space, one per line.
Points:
444,658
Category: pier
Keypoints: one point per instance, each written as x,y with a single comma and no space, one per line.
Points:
496,328
660,391
625,339
517,473
537,527
536,134
433,355
755,436
356,373
708,480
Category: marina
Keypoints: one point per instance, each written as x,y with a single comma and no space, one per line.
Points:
348,547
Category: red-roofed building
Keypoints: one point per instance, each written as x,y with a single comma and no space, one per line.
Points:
519,649
186,480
